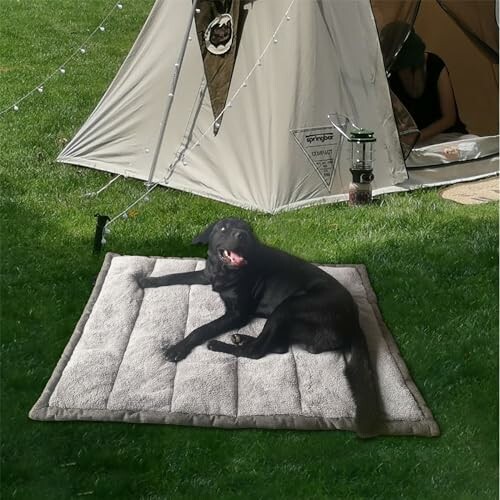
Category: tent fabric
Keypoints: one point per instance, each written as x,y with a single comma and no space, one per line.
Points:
401,17
275,148
297,62
473,76
476,18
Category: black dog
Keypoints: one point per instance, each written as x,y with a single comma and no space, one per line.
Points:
302,304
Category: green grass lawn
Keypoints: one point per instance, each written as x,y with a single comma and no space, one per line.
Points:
433,265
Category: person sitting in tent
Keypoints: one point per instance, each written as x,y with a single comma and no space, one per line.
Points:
421,81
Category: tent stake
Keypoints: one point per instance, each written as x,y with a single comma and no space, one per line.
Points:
171,94
99,231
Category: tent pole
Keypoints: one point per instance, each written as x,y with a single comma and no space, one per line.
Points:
173,86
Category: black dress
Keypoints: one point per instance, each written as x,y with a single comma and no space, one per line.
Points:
426,109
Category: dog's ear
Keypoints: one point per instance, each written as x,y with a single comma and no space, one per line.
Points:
204,237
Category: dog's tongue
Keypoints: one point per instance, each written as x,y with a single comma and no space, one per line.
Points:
236,260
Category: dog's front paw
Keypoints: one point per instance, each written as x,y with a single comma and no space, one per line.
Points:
177,352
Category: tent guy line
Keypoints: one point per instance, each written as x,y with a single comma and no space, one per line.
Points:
61,69
123,213
92,194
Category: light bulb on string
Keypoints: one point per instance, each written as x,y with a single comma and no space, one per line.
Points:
103,241
61,69
275,40
125,216
197,11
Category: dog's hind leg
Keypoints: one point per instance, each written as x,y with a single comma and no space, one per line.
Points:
274,338
244,347
241,340
269,341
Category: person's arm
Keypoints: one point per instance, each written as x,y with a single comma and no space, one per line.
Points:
448,109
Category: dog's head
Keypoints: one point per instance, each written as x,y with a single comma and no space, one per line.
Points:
231,240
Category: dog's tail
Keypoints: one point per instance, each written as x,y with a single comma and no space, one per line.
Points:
363,384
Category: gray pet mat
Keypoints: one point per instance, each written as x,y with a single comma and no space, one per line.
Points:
113,368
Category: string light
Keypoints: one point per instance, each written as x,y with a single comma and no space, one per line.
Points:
62,68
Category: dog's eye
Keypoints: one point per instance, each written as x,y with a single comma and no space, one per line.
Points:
223,228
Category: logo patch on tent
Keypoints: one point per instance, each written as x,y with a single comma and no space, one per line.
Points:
321,145
219,35
219,25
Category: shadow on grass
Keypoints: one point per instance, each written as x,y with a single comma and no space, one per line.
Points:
438,295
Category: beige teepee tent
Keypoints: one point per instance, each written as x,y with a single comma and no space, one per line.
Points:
266,142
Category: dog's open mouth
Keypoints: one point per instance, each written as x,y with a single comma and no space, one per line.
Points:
232,258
